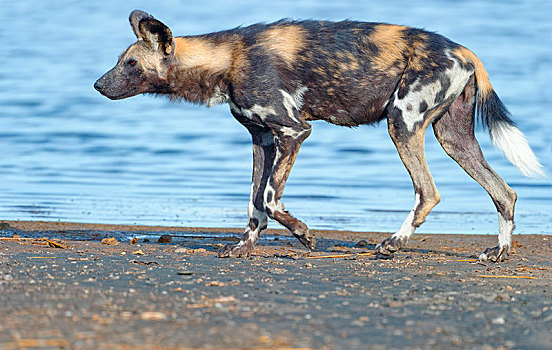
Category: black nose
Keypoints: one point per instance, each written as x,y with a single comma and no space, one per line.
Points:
97,85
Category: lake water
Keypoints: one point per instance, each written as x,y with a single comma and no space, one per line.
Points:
67,153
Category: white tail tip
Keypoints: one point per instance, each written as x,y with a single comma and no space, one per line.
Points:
512,142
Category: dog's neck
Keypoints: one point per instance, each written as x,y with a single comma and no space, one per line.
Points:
202,68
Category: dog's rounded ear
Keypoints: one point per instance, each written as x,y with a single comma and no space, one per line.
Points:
135,17
156,34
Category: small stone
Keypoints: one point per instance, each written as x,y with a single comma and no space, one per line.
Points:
215,283
503,297
394,304
362,243
456,340
498,320
110,241
134,240
152,316
165,239
8,277
138,252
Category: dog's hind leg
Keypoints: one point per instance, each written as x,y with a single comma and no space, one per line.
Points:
263,160
455,132
410,145
421,98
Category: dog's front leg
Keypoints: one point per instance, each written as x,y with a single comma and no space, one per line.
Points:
263,160
287,141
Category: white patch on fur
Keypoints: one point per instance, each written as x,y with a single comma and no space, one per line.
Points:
512,142
407,229
294,101
409,105
261,111
289,104
290,132
256,214
505,229
298,96
458,77
414,98
274,205
218,98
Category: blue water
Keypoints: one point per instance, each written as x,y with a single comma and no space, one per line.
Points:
69,154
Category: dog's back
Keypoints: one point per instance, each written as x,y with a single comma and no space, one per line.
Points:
345,72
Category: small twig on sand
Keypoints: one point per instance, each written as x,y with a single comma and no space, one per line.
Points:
339,256
42,257
32,343
53,244
504,276
467,260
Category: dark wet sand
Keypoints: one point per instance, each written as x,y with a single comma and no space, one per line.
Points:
179,295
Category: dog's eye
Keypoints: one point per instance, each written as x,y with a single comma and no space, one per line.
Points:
131,62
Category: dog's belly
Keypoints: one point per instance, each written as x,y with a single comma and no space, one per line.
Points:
349,103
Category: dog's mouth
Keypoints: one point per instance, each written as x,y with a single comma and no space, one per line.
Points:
124,95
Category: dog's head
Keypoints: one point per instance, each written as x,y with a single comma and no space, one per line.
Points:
144,65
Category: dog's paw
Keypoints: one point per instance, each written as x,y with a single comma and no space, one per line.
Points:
241,250
307,239
495,254
390,245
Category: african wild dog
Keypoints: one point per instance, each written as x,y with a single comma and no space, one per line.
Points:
277,77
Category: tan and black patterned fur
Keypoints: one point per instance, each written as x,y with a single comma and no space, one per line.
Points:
277,77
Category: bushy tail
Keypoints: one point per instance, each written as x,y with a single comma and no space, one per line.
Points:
507,137
496,117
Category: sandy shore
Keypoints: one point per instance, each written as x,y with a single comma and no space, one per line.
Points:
88,295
